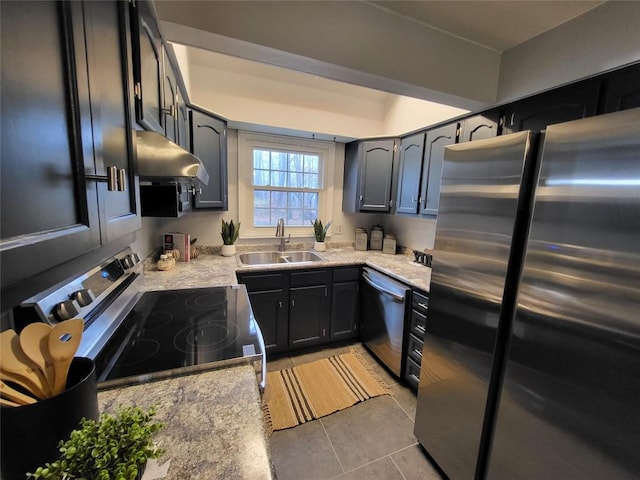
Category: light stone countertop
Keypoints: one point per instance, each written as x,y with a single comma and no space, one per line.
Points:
216,270
215,428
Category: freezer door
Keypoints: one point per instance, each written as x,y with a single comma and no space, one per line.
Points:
570,405
481,186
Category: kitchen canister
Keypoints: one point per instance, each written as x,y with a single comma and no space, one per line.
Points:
30,434
377,234
362,239
389,244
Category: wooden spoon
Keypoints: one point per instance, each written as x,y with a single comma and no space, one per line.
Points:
64,340
16,366
34,340
14,395
8,403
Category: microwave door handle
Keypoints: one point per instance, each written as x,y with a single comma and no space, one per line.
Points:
381,289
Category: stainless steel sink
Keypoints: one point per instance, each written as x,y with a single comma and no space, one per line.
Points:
251,259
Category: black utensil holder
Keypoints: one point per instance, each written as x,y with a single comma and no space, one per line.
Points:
30,434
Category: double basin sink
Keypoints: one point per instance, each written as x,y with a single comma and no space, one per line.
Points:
251,259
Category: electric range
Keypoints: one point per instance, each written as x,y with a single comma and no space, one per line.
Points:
136,337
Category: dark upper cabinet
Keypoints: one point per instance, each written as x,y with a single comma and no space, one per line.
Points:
147,67
209,144
183,127
108,43
483,125
370,167
436,141
564,104
411,155
49,209
622,90
170,100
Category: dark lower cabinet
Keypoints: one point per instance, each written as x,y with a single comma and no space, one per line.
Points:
345,303
269,297
415,337
270,310
302,308
308,315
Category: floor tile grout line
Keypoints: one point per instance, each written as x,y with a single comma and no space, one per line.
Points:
332,447
397,467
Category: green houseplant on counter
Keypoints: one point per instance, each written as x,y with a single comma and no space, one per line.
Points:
229,234
320,233
116,447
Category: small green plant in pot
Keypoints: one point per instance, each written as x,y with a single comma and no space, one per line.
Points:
320,233
116,447
229,234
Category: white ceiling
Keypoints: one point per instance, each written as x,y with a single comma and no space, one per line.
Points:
499,25
496,25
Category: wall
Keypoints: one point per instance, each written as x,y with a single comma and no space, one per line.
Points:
353,42
605,38
205,225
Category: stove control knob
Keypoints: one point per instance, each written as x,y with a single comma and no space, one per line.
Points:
84,297
130,260
66,310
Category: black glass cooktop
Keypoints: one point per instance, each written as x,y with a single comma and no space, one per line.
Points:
177,331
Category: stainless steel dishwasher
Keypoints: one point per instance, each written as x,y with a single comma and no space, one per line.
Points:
383,317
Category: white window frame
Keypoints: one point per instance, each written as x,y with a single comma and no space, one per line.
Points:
247,141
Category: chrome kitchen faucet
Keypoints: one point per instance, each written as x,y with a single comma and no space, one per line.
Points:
280,234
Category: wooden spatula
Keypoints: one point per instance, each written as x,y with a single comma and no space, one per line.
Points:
64,340
34,340
14,395
16,366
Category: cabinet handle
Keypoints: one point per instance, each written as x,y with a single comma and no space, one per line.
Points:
324,332
426,307
418,353
421,329
279,304
293,303
122,180
413,375
111,178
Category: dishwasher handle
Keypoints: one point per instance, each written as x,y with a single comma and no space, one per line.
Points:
380,288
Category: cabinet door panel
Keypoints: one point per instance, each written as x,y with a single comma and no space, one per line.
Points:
49,213
622,90
170,93
436,142
376,175
108,62
147,67
270,311
345,309
209,144
308,315
411,154
561,105
480,126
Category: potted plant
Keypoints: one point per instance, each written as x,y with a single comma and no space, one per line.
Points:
229,235
320,232
115,447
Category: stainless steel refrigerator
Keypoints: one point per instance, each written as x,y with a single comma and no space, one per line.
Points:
531,360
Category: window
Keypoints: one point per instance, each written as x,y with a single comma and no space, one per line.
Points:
283,177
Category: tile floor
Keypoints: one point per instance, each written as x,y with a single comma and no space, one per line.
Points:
372,440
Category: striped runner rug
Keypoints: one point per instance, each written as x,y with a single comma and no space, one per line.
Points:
297,395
